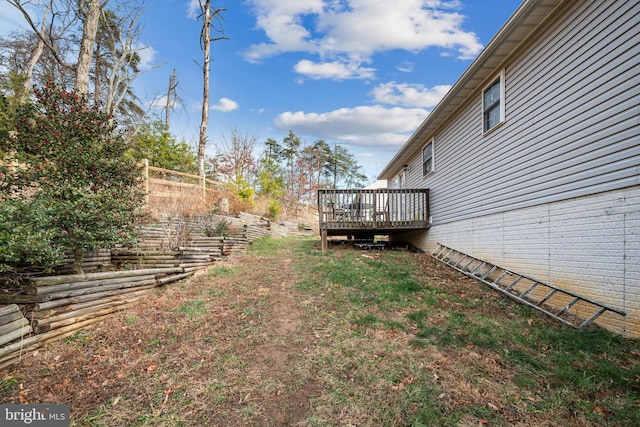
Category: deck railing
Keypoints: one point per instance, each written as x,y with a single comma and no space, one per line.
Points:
377,209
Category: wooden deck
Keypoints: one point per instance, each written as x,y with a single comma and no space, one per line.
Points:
365,213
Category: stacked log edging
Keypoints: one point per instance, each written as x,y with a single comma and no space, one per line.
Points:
91,261
14,327
41,310
58,306
75,298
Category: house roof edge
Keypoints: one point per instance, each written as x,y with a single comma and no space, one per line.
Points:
532,12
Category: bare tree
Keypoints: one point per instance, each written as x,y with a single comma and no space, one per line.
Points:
58,19
210,18
235,159
63,17
172,96
35,55
123,66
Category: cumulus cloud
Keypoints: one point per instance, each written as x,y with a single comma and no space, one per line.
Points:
332,70
409,95
284,25
225,105
405,67
161,102
364,126
147,57
356,29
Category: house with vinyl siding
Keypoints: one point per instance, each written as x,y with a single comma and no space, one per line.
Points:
532,160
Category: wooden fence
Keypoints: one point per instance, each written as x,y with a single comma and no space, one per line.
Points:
168,190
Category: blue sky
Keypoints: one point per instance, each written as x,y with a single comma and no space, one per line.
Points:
360,73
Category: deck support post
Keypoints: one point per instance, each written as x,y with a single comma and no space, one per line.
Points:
323,240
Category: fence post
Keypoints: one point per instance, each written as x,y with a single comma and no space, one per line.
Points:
145,164
204,189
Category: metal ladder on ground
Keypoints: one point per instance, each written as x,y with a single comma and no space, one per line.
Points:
563,305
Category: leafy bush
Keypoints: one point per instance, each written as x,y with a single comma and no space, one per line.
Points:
25,237
68,160
274,209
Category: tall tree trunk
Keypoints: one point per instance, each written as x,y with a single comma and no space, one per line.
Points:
205,40
89,30
170,96
37,53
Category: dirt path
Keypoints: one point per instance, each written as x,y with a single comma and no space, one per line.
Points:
385,338
283,343
224,348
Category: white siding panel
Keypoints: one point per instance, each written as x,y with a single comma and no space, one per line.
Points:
572,100
590,245
554,192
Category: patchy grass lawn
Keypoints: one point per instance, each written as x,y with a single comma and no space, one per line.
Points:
282,335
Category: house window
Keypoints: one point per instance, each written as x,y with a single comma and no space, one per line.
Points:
493,104
427,159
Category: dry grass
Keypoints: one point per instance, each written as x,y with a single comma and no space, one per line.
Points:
282,335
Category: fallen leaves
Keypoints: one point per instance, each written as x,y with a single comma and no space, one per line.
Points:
602,411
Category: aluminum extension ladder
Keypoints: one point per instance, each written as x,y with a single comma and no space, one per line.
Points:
562,305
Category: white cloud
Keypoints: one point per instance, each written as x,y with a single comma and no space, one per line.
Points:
405,67
364,126
147,57
409,95
161,102
333,70
193,9
356,29
283,23
225,105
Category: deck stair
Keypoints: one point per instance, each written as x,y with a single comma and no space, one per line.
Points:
562,305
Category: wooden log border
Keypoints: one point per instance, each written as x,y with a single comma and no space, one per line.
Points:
51,308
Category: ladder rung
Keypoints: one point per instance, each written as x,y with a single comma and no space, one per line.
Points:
468,264
461,259
504,273
546,298
491,270
478,267
452,261
568,306
439,251
593,317
529,290
515,282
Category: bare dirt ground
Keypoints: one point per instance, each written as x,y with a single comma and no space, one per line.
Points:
196,353
245,344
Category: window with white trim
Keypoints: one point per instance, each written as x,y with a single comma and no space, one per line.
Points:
427,159
493,104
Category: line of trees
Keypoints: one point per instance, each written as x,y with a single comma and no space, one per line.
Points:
71,132
288,172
